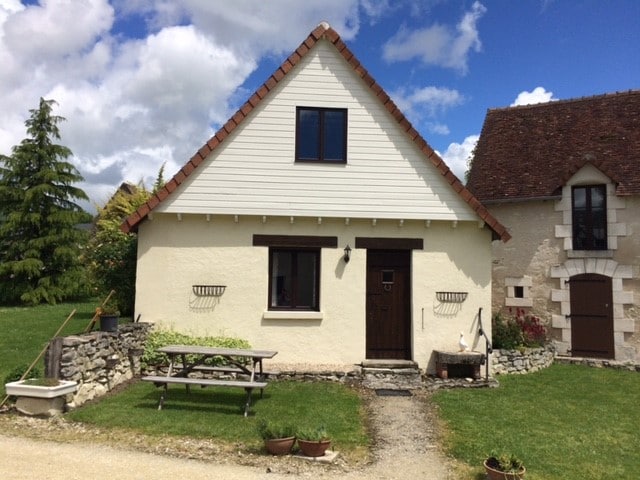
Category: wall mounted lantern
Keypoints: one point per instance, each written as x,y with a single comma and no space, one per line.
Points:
347,254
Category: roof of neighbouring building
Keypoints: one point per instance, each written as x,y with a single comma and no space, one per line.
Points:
531,151
322,31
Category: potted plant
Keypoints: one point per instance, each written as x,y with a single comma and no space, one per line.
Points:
109,316
313,442
278,438
504,466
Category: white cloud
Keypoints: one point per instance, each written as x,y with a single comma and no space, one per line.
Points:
420,103
537,95
135,100
438,44
457,155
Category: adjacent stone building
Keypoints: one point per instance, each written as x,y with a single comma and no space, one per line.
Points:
565,178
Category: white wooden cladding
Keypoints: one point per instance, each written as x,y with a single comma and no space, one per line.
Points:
253,172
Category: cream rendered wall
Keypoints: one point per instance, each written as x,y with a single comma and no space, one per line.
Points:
173,255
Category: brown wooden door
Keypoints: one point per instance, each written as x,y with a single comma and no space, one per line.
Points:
389,304
591,316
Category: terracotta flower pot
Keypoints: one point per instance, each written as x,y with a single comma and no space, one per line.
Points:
279,446
311,448
494,474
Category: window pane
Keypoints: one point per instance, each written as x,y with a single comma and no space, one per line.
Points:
309,134
281,277
597,198
306,280
334,135
579,198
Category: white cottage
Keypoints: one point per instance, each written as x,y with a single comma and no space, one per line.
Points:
317,222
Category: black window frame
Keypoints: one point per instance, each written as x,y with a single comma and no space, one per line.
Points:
321,158
294,305
583,230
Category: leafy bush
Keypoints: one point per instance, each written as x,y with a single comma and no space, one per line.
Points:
162,338
522,330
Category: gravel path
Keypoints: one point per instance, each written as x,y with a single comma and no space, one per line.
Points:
403,428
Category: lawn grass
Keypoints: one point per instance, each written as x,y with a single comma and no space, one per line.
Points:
27,330
217,413
565,422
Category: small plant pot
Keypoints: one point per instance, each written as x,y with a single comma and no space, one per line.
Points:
495,474
109,323
312,448
279,446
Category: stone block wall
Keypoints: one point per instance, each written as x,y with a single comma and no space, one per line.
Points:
526,360
98,361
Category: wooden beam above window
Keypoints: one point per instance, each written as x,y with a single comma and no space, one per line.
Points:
377,243
310,241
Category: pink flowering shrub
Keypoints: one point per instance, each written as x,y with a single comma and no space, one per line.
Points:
521,330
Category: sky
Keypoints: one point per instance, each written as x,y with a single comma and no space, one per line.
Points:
145,83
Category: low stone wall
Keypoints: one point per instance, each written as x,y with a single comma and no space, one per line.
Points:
98,361
526,360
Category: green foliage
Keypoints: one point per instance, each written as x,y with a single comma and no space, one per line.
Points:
27,330
521,330
505,462
563,422
217,414
505,333
40,240
269,430
162,338
313,434
112,254
17,372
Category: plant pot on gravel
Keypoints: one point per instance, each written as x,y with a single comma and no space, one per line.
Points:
313,443
278,438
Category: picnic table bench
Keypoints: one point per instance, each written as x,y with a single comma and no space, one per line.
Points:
185,359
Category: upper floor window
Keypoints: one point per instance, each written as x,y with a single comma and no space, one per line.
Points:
589,214
321,134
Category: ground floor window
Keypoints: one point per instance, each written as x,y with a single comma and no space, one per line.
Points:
294,279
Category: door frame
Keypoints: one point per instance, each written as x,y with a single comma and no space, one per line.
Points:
598,311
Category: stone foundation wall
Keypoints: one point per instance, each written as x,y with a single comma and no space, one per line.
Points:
527,360
98,361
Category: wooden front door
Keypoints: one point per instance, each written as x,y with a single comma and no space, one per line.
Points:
591,316
389,304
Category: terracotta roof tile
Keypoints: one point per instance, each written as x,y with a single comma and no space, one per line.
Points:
531,151
322,31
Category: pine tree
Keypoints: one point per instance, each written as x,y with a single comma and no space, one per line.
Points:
39,239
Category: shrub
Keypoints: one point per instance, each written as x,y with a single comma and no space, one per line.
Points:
521,330
162,338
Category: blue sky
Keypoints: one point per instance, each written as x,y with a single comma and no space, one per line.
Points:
146,82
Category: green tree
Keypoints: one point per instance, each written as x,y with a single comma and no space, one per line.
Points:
39,239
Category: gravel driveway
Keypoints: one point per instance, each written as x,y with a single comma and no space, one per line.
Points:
403,428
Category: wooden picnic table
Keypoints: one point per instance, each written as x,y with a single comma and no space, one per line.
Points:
185,359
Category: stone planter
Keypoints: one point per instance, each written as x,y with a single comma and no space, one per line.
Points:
40,399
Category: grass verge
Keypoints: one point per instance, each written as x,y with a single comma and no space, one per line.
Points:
27,330
565,422
218,413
